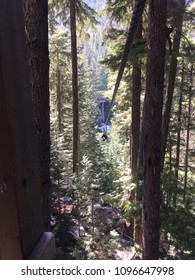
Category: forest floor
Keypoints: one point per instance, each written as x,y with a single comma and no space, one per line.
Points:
76,240
98,236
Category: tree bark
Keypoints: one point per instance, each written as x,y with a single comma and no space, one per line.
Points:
36,21
177,160
135,135
59,99
152,128
74,85
136,92
188,133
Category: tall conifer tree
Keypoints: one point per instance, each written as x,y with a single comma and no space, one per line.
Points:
36,21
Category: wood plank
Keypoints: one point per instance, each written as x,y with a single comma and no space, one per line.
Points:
21,210
10,243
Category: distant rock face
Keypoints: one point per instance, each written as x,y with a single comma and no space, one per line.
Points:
110,219
108,216
77,229
125,229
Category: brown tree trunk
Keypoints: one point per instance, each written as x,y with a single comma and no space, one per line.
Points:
59,101
136,92
135,135
152,128
170,151
177,160
74,85
36,21
171,77
188,133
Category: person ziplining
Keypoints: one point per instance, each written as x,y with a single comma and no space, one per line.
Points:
104,137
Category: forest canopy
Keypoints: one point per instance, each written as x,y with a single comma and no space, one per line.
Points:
110,173
98,127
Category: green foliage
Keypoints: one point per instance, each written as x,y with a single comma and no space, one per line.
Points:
179,223
65,242
178,191
84,13
104,175
119,9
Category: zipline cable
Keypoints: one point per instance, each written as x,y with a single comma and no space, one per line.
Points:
135,20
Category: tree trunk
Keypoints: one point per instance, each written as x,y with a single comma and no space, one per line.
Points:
36,21
59,101
51,22
170,151
74,86
152,128
177,160
135,135
188,133
171,77
136,92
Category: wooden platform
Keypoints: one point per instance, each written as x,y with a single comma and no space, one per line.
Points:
45,248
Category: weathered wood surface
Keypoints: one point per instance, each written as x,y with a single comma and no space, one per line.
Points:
20,196
44,249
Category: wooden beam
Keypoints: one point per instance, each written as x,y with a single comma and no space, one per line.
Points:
20,199
45,248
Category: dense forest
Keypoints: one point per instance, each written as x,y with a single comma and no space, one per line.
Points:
114,120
